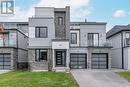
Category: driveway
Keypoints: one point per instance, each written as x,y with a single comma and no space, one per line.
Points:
4,71
99,78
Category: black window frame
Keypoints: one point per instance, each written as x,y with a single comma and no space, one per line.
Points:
71,38
39,32
38,58
93,38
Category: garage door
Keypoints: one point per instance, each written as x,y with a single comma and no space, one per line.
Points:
78,61
99,61
5,61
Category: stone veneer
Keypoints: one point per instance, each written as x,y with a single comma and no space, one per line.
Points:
36,65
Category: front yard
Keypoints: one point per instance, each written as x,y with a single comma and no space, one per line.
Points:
36,79
126,75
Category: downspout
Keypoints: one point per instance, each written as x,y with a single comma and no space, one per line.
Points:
122,50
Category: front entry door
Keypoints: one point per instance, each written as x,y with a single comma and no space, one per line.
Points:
59,58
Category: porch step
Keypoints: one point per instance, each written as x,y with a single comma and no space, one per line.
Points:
61,69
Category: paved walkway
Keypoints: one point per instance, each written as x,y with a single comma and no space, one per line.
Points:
4,71
99,78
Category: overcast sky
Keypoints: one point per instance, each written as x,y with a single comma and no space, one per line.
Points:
114,12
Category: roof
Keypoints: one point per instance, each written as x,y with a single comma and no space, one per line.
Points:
118,28
88,23
15,22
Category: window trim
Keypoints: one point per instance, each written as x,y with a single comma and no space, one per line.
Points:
71,37
39,36
38,59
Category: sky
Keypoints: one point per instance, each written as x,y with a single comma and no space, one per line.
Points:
114,12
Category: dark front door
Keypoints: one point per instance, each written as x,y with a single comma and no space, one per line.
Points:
59,58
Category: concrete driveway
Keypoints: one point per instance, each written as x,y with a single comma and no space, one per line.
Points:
4,71
99,78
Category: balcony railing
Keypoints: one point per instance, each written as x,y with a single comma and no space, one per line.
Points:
92,43
7,40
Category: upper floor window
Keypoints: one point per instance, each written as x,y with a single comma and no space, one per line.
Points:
93,39
41,32
127,35
60,20
41,55
4,39
73,38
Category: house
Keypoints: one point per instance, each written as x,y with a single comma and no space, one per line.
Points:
58,45
13,45
119,38
88,47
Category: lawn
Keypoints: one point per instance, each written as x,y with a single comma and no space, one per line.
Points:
36,79
126,75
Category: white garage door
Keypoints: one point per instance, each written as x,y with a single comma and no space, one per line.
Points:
5,61
99,61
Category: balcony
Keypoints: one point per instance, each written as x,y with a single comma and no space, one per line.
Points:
92,43
8,39
127,41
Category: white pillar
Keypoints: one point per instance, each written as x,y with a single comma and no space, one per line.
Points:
53,57
67,58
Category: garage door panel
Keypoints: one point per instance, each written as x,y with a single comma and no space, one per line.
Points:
77,60
7,67
5,61
1,67
99,61
1,63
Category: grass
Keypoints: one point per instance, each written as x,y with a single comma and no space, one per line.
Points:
36,79
126,75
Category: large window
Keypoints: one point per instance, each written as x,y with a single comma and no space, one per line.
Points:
4,40
93,39
41,32
73,38
60,20
41,55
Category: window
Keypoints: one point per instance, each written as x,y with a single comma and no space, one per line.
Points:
60,20
4,39
73,38
93,39
41,55
41,32
127,34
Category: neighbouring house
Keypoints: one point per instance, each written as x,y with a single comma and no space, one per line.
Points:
13,45
119,38
57,44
